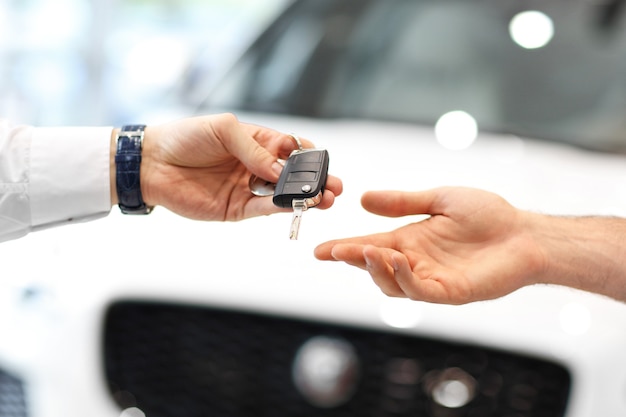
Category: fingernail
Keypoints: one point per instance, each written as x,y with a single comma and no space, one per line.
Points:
368,261
333,253
277,168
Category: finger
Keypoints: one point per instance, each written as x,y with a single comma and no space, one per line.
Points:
290,144
262,206
349,253
418,288
378,264
286,145
334,187
328,199
334,184
325,250
282,144
400,203
238,139
405,278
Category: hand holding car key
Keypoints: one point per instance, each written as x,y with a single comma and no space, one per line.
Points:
301,183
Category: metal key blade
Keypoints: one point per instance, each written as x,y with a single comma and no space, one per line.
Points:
299,206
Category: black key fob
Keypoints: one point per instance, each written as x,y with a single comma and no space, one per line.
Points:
303,178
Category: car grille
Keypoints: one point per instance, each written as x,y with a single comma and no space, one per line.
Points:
178,360
12,401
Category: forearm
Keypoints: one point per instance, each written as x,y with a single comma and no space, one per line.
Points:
52,176
588,253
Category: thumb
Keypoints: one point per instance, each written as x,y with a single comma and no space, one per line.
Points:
401,203
256,158
259,161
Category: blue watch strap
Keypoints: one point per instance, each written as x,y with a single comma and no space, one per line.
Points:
127,164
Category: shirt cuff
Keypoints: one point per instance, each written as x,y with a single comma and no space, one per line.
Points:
70,175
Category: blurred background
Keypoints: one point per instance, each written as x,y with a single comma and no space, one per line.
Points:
483,93
109,62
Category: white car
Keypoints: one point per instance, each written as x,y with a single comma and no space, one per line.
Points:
163,316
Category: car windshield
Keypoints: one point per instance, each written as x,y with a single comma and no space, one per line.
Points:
553,70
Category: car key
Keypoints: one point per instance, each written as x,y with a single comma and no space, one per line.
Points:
301,184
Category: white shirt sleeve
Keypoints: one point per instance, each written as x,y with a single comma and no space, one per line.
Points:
52,176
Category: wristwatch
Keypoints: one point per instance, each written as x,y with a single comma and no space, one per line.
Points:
129,143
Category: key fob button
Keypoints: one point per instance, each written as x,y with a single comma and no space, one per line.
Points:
302,157
302,176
